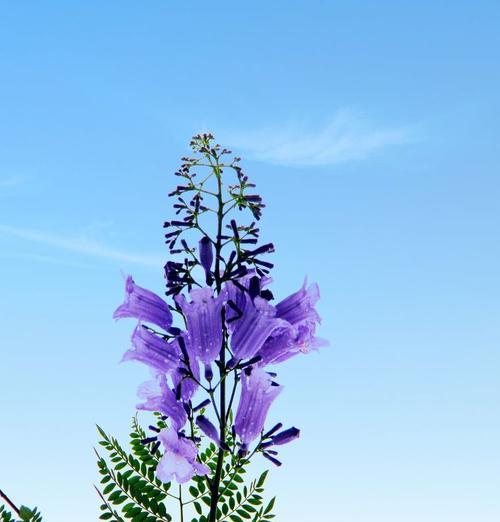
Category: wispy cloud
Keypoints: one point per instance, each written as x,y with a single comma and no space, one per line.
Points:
38,258
11,181
348,136
81,245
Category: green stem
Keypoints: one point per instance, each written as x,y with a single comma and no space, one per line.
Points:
222,355
181,505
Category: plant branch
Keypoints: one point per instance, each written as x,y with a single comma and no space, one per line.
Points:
9,502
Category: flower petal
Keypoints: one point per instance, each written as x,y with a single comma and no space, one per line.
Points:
143,305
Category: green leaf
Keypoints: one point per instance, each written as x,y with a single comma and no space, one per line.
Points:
270,506
262,479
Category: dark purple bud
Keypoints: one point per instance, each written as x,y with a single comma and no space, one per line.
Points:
253,360
206,402
242,452
263,263
235,229
206,255
272,431
254,287
209,374
267,295
155,447
173,330
154,428
208,428
267,444
182,346
276,462
232,255
232,363
286,436
268,247
148,440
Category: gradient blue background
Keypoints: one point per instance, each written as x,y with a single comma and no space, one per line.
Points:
399,223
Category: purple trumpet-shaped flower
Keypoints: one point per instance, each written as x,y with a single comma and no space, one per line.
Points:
298,310
159,397
257,394
289,342
299,306
206,257
152,350
179,460
251,330
208,429
204,322
143,305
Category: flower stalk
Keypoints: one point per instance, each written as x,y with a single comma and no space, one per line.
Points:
229,325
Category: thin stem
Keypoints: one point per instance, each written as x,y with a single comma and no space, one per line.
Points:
214,404
9,502
222,355
235,384
181,505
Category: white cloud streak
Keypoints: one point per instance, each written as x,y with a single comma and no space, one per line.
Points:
37,258
12,181
346,137
81,245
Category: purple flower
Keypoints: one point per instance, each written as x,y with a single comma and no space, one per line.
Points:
251,330
257,394
204,322
159,397
152,350
179,460
298,310
299,306
208,429
143,305
288,343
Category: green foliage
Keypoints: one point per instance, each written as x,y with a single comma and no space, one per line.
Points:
130,490
25,515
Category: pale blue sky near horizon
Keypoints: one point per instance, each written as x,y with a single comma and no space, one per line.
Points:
372,131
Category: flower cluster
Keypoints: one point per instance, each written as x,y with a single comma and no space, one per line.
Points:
182,361
228,331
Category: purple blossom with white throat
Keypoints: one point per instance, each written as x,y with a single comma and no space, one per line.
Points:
204,322
179,460
257,394
152,350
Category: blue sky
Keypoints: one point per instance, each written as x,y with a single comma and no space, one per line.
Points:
372,132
